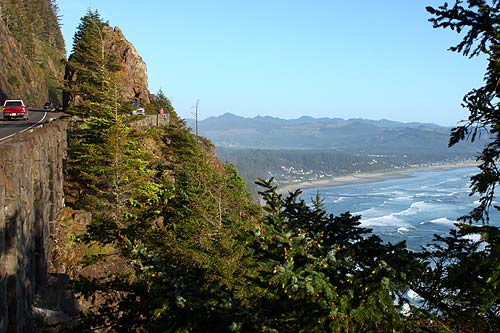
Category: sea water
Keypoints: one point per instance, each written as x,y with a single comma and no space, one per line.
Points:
412,209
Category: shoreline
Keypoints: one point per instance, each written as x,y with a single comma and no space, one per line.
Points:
371,177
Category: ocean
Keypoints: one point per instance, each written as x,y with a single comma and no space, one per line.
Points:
412,209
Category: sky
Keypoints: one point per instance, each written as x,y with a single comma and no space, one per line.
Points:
290,58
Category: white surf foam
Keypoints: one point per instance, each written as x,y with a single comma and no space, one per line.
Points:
339,199
442,221
384,221
473,237
370,212
416,207
403,230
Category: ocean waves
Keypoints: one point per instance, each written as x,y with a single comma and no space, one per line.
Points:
384,221
442,221
411,209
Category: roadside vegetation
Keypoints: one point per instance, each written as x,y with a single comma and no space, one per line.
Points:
32,51
188,250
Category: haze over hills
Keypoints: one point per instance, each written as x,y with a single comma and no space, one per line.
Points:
351,135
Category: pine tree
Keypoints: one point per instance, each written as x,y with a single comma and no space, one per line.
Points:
325,273
461,282
186,244
460,286
105,160
89,79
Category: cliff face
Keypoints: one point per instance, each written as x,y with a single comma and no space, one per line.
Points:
31,51
133,72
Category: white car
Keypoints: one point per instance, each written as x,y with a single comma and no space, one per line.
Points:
138,112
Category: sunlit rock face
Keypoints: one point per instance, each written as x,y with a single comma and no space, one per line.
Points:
133,71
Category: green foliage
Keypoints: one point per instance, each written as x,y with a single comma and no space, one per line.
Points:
14,81
91,68
184,246
209,207
161,101
326,273
198,255
460,284
111,169
106,161
34,24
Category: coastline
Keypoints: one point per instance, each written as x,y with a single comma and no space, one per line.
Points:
370,177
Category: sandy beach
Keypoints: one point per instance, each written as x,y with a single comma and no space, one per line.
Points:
368,177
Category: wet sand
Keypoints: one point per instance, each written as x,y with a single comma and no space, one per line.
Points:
369,177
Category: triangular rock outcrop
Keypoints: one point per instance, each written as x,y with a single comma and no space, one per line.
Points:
132,73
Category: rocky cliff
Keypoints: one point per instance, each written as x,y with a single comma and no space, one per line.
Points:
31,51
19,77
133,72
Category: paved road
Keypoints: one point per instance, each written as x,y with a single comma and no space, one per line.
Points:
37,116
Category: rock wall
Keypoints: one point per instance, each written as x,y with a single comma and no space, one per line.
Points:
31,195
149,121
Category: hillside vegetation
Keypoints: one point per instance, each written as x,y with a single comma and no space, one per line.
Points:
32,51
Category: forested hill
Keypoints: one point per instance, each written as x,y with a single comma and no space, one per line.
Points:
31,49
308,149
352,135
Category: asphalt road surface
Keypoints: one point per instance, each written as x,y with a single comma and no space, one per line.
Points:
37,117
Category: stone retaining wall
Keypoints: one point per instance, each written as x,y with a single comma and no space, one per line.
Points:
145,122
31,195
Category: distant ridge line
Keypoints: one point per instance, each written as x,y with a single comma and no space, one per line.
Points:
309,119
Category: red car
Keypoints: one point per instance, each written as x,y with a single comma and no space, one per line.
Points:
15,108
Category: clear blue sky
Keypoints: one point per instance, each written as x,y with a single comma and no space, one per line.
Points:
288,58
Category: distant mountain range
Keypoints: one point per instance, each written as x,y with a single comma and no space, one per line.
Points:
352,135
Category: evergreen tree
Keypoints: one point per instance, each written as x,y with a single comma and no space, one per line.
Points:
35,27
460,284
200,256
161,101
325,273
106,163
90,79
